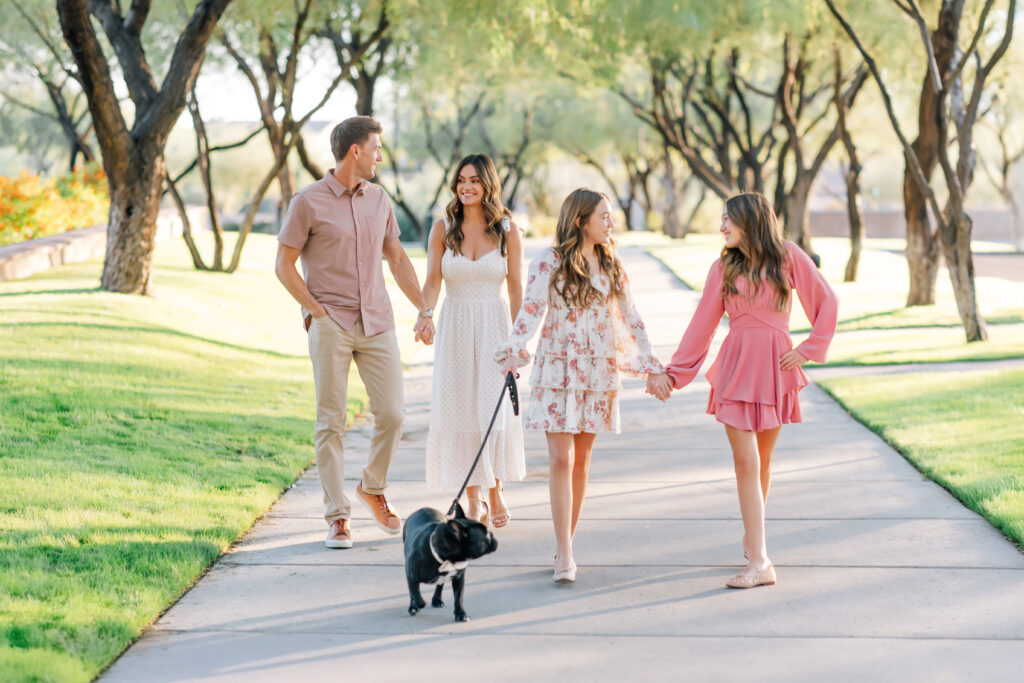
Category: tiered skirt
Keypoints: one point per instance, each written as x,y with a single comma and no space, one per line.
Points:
573,394
749,391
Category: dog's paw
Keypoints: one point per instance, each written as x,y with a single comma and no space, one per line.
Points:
461,616
436,600
413,610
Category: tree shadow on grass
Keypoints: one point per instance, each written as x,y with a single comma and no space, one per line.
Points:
40,292
155,329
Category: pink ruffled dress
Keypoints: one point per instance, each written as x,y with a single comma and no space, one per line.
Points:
749,391
581,353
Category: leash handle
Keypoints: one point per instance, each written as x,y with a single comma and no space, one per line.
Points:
513,395
513,392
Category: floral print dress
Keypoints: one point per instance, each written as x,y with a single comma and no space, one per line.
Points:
581,354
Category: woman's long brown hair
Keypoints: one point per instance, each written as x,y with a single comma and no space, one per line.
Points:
761,256
572,276
494,210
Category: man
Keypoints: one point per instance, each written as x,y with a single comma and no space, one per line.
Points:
340,226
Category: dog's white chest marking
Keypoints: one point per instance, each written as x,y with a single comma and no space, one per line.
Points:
447,568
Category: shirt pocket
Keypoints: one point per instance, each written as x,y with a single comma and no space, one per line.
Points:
370,233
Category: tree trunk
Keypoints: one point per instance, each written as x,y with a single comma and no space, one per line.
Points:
133,159
670,212
80,146
284,182
627,202
627,210
851,175
76,140
797,209
688,225
923,249
365,87
206,175
922,244
131,227
250,215
307,161
779,201
186,226
1017,223
639,196
960,264
853,210
923,267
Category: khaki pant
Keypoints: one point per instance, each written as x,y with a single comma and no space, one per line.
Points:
378,361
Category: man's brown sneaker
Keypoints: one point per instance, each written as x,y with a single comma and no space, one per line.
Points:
339,535
381,511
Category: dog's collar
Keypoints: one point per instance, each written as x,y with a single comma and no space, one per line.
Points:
447,566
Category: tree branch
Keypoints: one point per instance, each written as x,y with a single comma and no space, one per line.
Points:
926,38
984,72
181,74
219,148
908,150
312,168
124,37
94,74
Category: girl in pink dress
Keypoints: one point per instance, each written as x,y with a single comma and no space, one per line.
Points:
756,376
591,334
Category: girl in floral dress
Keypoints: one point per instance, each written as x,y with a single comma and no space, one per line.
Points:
591,334
756,376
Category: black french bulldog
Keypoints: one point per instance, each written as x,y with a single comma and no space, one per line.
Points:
437,550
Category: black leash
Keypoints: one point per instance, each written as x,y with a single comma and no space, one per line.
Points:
513,394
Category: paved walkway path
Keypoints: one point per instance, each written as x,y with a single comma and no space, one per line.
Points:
882,574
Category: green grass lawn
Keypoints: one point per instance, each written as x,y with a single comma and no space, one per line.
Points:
139,437
960,429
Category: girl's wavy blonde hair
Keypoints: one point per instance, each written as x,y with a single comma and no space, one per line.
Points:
572,275
761,255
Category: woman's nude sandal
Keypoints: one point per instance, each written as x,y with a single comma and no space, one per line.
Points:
483,517
502,518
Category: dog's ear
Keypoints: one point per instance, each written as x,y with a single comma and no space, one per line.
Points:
456,529
459,513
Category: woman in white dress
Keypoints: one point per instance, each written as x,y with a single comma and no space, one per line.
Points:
474,250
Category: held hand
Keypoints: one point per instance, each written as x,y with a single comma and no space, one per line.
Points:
653,388
659,386
424,331
791,360
511,365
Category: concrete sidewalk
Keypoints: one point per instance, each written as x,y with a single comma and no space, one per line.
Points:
882,574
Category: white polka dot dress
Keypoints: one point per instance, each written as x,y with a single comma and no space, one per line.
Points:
474,320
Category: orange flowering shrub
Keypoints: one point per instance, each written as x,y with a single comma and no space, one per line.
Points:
32,207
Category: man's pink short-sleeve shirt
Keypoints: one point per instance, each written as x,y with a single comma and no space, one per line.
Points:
341,233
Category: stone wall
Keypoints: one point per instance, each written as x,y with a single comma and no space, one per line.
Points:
989,224
85,244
